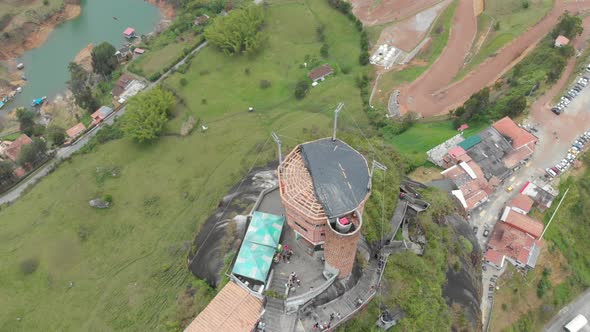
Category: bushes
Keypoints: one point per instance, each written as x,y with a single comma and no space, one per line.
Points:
345,8
30,265
544,284
301,89
239,32
265,84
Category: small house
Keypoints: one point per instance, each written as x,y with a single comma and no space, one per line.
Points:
561,41
123,54
102,113
129,33
139,50
121,85
320,73
75,131
201,20
13,151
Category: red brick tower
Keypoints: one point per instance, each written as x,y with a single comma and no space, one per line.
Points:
324,185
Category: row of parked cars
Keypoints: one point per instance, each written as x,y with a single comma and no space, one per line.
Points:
570,95
572,154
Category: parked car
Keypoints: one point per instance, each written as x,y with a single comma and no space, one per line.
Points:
486,232
551,172
556,110
554,169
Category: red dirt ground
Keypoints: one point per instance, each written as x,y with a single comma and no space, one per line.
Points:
407,34
431,93
388,10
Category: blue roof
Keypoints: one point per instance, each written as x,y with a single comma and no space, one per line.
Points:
105,110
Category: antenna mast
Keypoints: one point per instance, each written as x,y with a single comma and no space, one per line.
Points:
377,165
338,108
277,140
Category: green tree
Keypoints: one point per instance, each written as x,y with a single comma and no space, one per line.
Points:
301,89
6,173
239,32
56,135
26,120
325,50
147,113
80,85
569,26
33,153
104,61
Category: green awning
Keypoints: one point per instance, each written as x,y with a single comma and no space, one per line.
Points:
470,142
259,246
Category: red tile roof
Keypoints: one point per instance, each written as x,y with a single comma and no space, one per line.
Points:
456,152
463,127
511,242
523,202
320,72
494,257
524,223
562,40
510,129
121,84
75,130
233,309
13,151
129,31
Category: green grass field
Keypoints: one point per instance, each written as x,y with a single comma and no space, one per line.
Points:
421,137
514,20
159,57
127,263
440,36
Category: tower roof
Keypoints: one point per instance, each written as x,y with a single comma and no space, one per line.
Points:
339,173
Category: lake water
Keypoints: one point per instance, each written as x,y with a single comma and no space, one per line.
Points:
46,67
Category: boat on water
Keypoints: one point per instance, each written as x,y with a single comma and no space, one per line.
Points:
38,101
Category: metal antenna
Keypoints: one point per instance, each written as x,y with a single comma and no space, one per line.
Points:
338,108
278,141
377,165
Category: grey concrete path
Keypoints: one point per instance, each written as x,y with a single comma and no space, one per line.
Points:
580,306
67,151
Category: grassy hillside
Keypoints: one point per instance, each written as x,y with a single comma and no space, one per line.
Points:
123,268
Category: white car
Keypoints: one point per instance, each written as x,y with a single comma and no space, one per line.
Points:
551,172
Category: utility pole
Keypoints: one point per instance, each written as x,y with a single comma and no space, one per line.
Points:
277,140
377,165
338,108
554,212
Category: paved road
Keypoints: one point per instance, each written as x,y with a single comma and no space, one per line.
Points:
67,151
579,306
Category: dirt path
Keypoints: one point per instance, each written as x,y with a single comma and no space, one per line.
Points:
388,10
431,95
418,94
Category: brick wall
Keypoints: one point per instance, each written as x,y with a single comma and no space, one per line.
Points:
340,251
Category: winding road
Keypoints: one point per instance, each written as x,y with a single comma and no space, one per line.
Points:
434,93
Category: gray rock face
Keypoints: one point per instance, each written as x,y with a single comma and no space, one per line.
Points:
98,203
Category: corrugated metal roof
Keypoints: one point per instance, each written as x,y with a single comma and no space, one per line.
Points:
470,142
340,175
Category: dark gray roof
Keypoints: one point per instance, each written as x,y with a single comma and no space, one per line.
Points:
340,175
489,153
443,184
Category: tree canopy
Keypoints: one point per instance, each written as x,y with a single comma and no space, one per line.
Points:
32,153
80,85
239,32
26,120
569,26
147,113
104,60
56,135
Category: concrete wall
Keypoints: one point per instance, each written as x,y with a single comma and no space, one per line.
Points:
293,304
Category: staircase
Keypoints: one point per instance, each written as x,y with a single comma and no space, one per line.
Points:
274,315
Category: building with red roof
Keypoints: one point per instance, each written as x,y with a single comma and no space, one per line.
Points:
561,41
76,130
516,246
522,222
473,188
320,73
13,151
522,141
129,33
522,203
